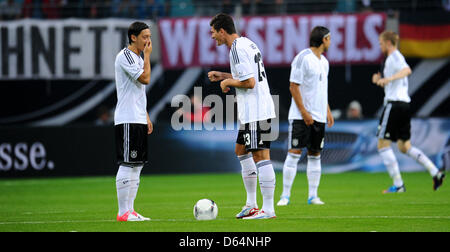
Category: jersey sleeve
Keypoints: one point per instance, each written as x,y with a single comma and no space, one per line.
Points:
242,64
298,68
400,62
130,66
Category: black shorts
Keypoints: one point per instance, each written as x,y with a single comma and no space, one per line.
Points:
395,122
254,135
312,137
131,143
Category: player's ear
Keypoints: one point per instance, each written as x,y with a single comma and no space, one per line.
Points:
133,38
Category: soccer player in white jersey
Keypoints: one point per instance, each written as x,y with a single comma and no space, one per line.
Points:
308,114
395,122
255,109
132,122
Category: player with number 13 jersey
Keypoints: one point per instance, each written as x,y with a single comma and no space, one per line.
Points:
255,111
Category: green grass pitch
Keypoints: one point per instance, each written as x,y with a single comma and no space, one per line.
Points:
354,202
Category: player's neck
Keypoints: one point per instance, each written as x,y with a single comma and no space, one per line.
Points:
317,51
391,50
230,39
134,49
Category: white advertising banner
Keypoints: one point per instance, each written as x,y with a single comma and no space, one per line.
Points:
61,49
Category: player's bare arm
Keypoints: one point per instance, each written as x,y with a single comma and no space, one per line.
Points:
218,76
400,74
330,118
295,92
145,76
149,124
227,83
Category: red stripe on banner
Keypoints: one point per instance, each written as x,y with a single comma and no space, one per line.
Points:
424,32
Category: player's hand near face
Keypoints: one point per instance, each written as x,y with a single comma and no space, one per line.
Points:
148,48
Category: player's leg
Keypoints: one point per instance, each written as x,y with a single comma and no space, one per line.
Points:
124,172
289,173
259,145
137,156
388,132
416,154
134,185
314,166
406,148
249,174
266,183
295,144
390,161
131,145
123,188
313,173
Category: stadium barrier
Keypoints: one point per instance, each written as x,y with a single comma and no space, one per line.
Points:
90,150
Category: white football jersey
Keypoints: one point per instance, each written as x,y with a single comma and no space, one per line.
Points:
254,104
396,90
131,97
311,75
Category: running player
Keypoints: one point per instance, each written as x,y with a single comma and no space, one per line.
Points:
395,122
308,114
255,109
132,122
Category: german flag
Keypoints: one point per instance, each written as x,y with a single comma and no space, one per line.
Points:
425,35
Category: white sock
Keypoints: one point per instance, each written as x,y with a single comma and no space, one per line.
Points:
422,159
123,188
250,178
389,160
313,172
267,185
134,185
289,172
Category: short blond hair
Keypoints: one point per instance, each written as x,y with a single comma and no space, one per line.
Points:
390,36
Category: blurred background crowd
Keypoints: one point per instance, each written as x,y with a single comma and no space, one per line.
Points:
154,9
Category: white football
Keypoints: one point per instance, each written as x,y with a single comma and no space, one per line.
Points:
205,209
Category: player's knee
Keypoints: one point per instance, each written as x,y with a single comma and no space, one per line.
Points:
383,144
313,153
257,158
295,151
240,151
403,148
261,155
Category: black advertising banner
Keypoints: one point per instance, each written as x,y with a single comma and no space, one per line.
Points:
58,151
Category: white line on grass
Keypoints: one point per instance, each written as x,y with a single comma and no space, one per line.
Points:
192,220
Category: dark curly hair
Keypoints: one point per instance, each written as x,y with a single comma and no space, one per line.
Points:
135,29
224,21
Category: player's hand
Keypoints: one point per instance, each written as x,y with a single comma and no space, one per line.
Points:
149,126
224,86
148,48
307,118
383,82
376,77
330,120
214,76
